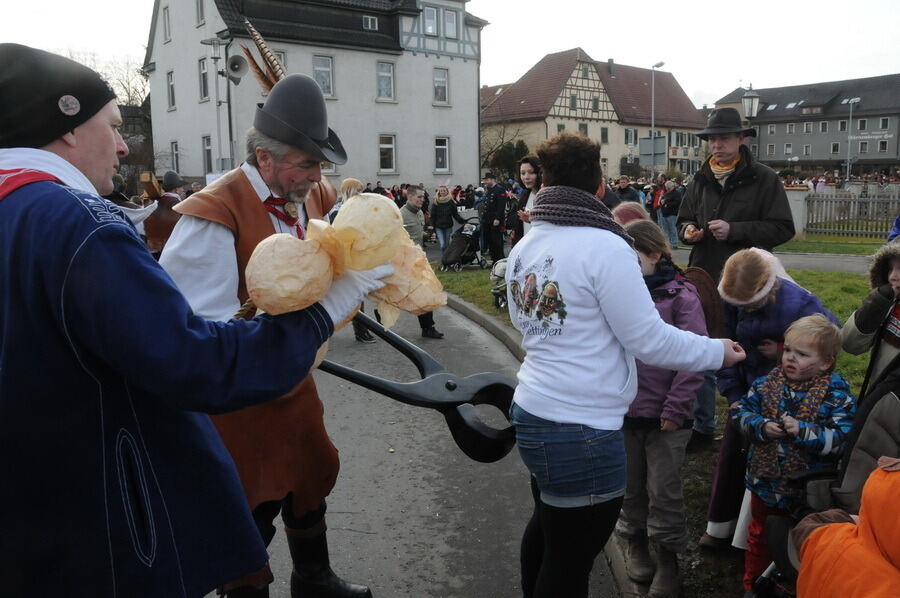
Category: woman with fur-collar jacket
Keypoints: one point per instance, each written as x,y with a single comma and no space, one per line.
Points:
876,323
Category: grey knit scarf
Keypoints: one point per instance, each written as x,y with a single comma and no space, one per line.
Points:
568,206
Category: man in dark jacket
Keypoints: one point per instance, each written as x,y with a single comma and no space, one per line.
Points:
494,214
734,202
626,192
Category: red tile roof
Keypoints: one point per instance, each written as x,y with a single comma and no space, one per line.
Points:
532,96
489,93
628,88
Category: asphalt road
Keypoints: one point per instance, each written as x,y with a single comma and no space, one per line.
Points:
411,516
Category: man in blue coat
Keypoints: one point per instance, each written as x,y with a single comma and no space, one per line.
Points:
114,481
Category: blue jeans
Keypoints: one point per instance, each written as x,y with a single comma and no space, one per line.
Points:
705,408
574,465
443,235
667,224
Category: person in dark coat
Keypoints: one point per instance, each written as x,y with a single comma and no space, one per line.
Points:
114,480
443,214
625,191
494,215
733,202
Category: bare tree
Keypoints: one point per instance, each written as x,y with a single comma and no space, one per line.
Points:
125,76
494,137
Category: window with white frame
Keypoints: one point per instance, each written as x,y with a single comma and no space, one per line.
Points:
861,124
836,147
201,16
560,127
327,167
281,58
167,28
370,23
595,104
206,146
823,126
450,29
204,79
323,73
884,123
789,128
631,136
173,150
604,165
807,127
604,134
771,129
441,84
386,153
441,154
842,125
582,129
864,147
807,149
170,89
429,17
882,146
770,149
788,149
385,80
573,101
754,149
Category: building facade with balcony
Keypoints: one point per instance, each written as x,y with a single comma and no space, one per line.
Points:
809,128
400,78
609,102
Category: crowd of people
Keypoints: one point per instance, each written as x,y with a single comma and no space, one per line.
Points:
157,457
788,409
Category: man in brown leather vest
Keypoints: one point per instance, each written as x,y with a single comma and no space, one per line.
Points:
285,459
160,223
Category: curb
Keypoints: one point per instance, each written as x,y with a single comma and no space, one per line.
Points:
498,329
512,341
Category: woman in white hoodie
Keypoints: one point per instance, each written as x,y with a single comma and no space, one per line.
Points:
577,295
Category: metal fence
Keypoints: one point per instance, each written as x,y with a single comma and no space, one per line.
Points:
849,215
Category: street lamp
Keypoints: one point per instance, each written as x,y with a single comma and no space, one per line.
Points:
653,113
851,101
750,100
216,42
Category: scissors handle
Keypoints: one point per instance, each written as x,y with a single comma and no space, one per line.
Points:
453,396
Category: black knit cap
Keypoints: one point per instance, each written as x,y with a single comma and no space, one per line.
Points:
43,96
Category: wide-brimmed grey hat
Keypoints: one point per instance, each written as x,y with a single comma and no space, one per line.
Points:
723,121
295,114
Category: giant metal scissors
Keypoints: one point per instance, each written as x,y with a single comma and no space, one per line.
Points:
453,396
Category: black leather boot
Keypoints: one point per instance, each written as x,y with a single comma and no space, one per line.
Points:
362,333
312,576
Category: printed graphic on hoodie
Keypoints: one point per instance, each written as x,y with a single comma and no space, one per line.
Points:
540,308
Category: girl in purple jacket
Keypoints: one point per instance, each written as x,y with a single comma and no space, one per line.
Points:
658,425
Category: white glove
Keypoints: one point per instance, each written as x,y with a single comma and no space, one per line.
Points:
346,293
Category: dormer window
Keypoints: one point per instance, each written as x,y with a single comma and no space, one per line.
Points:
370,23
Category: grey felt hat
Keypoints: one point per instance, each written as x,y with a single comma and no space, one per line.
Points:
294,113
723,121
171,181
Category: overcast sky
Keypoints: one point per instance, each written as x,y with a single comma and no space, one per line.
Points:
710,47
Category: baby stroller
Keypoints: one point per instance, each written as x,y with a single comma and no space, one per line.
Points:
464,247
498,273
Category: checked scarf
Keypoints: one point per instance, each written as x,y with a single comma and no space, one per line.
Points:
764,459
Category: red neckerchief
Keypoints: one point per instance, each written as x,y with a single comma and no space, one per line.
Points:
10,180
275,205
